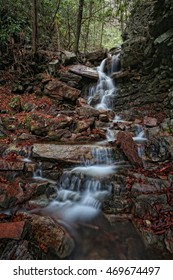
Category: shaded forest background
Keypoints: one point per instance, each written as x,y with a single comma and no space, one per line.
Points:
58,25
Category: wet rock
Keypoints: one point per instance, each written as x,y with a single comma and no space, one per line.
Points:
60,91
66,153
51,236
129,147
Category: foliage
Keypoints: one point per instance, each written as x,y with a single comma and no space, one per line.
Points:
102,24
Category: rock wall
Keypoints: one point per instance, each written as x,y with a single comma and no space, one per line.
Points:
146,86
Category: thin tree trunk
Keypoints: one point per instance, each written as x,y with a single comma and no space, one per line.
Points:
34,27
88,25
102,31
79,24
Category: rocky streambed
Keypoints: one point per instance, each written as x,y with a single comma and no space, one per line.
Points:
50,137
135,203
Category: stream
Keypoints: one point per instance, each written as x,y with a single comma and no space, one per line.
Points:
83,188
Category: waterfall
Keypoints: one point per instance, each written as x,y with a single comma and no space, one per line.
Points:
103,94
38,171
82,189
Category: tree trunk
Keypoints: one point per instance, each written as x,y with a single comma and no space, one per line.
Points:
34,27
79,24
88,25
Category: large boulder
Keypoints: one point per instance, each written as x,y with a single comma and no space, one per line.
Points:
51,237
60,91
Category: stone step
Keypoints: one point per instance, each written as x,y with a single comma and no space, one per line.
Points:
74,154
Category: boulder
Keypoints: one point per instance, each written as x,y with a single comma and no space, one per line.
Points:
129,147
96,56
70,78
43,125
60,91
51,237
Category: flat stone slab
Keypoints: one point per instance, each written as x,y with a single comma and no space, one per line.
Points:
85,71
12,230
66,153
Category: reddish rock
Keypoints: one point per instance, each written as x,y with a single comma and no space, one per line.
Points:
81,102
84,124
148,121
11,165
87,111
10,194
11,230
50,236
61,91
129,147
43,124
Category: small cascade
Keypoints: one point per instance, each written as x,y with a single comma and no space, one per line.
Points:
140,139
140,134
110,136
38,173
82,189
103,155
102,96
28,154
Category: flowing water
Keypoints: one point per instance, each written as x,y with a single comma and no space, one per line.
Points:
82,189
104,92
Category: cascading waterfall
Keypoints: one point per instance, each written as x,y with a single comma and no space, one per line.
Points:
82,189
103,94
